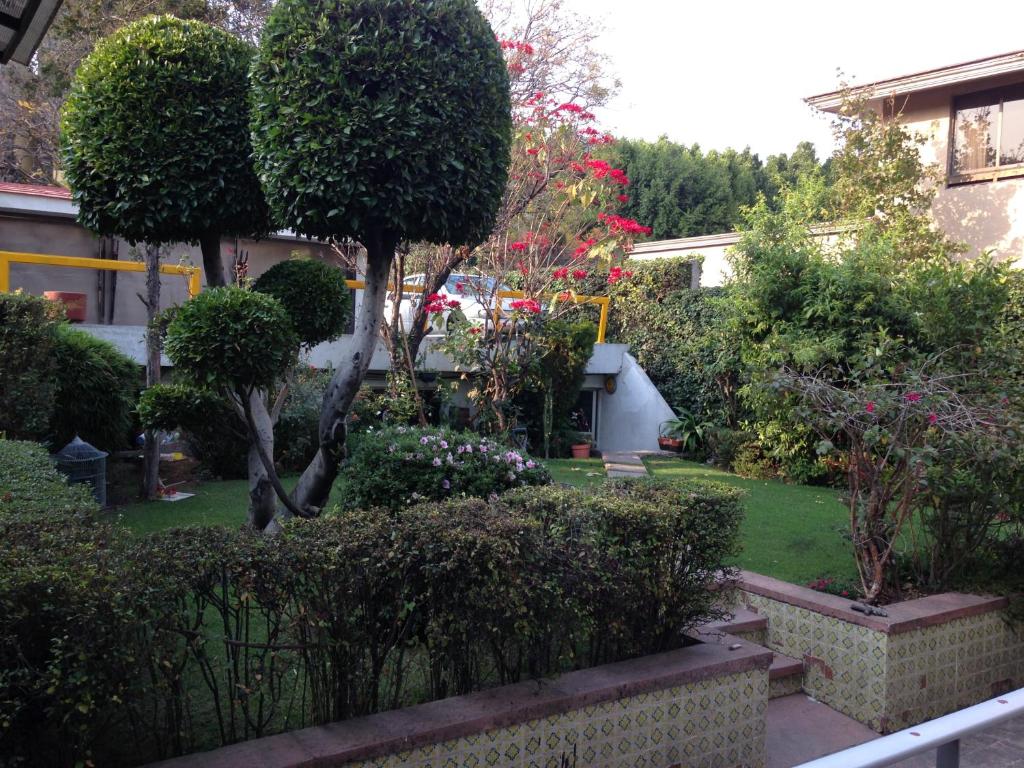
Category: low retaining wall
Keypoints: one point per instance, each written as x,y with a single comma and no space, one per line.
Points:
703,705
926,658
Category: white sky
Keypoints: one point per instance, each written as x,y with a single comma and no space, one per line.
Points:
733,73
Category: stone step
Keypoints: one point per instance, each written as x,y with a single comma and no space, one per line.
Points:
785,676
740,622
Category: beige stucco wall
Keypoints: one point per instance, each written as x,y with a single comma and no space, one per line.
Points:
62,236
986,215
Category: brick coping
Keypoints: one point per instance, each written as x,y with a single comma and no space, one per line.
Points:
902,617
386,733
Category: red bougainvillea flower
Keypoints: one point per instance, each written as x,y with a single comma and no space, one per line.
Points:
460,287
579,274
622,225
584,247
622,198
437,303
518,245
525,305
870,407
913,397
532,151
474,329
561,273
932,418
619,176
575,109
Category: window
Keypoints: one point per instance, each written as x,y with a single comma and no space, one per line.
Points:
988,134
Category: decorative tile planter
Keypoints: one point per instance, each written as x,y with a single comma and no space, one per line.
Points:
703,705
926,658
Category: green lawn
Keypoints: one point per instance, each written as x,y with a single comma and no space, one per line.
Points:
223,502
792,532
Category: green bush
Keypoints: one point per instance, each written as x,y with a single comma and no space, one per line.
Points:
213,429
118,650
28,327
232,338
397,466
313,293
30,484
564,350
97,388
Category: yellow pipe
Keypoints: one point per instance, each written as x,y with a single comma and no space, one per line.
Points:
82,262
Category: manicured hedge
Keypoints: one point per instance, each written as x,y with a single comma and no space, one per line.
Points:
30,485
118,651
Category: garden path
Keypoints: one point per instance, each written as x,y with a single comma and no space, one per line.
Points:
624,465
801,729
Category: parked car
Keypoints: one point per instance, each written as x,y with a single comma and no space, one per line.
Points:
475,294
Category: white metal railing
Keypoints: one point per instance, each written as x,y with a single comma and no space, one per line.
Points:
942,734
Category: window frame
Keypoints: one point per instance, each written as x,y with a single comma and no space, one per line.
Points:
1011,170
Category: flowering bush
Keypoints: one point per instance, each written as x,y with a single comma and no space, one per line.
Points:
400,465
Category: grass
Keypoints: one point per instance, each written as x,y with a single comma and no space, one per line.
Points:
792,532
224,502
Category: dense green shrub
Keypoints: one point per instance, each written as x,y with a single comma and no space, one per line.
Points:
232,338
31,485
213,429
97,387
564,349
313,294
397,466
28,327
120,650
297,432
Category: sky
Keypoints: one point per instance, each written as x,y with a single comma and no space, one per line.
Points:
734,73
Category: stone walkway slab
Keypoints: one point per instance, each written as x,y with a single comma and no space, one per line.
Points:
624,465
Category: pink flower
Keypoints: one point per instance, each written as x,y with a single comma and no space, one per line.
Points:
912,397
932,418
517,246
561,273
526,305
870,407
579,274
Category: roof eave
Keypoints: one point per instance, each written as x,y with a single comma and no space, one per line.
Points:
980,69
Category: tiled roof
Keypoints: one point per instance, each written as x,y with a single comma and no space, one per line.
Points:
37,190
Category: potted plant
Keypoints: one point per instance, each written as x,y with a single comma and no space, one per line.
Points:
581,440
684,433
668,438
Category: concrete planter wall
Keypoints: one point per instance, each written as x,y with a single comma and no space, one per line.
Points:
703,705
926,658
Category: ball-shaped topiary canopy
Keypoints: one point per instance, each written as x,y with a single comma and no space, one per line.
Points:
155,135
313,293
233,339
382,116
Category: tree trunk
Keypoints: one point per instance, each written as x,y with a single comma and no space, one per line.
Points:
262,498
213,264
151,455
314,487
419,327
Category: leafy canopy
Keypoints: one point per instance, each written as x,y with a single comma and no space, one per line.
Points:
232,338
155,134
313,293
382,117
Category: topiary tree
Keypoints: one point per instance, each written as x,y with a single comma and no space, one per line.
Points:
155,138
378,120
245,343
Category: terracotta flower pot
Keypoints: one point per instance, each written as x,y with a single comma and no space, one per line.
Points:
75,304
670,444
581,451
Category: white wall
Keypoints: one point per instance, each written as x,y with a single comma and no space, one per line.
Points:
631,418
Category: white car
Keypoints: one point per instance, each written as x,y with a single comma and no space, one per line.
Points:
475,294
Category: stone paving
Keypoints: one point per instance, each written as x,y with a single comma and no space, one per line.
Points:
801,729
624,465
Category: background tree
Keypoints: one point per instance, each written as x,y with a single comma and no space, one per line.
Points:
380,121
683,191
31,97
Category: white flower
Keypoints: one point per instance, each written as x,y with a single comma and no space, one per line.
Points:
437,461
